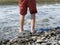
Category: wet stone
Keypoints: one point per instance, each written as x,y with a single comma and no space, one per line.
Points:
48,36
58,42
13,40
53,33
39,41
43,44
34,38
58,31
43,38
48,44
5,41
0,42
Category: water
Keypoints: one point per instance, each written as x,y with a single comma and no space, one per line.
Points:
48,16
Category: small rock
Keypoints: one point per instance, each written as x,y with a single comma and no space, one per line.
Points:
5,41
46,33
48,36
0,42
43,38
23,40
53,33
48,44
43,44
31,40
34,38
39,41
58,31
58,42
14,40
8,43
15,43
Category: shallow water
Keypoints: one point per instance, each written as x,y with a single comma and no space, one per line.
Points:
48,16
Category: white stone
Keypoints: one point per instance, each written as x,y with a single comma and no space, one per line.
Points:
59,42
39,40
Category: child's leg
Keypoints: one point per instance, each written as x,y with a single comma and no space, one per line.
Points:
21,22
23,12
32,23
33,11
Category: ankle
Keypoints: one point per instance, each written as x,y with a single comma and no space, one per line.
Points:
32,31
20,31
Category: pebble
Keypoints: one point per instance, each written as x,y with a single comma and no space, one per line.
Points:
58,42
42,38
43,44
4,41
48,44
39,41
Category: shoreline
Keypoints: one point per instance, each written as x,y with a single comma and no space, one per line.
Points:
36,4
46,38
11,2
16,3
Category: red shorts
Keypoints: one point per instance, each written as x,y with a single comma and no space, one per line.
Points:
24,4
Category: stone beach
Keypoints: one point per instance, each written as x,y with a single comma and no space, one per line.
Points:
51,37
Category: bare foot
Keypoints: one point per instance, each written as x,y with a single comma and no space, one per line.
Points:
20,31
32,31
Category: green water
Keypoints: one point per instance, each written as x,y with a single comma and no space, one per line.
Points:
38,1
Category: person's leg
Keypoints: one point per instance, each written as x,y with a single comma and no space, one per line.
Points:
33,11
32,23
21,22
23,12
